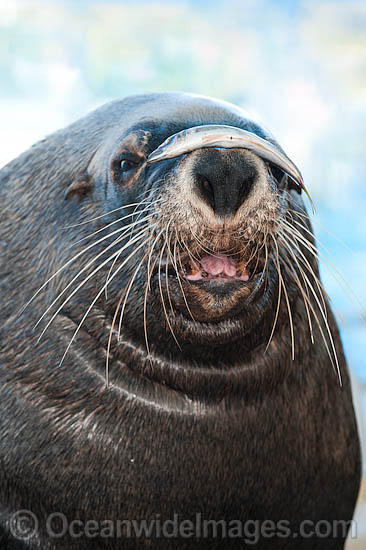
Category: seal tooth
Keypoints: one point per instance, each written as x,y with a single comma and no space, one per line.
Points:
194,266
194,276
242,272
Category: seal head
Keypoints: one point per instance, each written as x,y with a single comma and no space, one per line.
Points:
209,220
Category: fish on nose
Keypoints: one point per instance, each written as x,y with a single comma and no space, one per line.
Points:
223,179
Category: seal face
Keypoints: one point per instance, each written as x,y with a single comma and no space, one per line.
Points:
208,218
184,348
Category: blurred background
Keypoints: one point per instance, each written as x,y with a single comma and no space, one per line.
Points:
297,65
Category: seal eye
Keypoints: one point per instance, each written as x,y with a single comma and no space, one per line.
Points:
123,168
127,166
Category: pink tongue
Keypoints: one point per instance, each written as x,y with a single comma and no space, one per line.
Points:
214,265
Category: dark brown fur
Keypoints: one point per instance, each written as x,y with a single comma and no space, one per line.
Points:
220,426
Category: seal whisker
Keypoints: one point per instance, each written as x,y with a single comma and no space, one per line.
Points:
305,261
125,295
125,227
124,230
114,243
162,297
200,245
193,258
148,190
304,291
278,302
331,268
282,282
116,257
136,204
267,234
257,255
311,306
97,297
149,269
318,241
322,293
168,240
324,315
136,239
71,260
304,216
147,289
322,307
291,270
210,250
129,289
287,240
266,261
254,253
179,278
306,243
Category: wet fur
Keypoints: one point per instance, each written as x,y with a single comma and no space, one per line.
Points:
218,426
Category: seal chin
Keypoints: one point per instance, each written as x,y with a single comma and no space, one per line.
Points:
223,291
213,313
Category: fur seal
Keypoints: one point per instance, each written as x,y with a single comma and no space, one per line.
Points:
167,351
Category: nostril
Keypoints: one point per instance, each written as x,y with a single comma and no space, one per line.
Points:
245,184
223,184
206,188
245,187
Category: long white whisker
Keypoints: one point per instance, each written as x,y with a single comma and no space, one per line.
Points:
162,297
132,224
326,325
347,289
303,215
137,204
292,272
97,297
128,230
168,245
75,258
147,289
278,304
296,241
321,332
179,281
128,292
137,238
125,294
288,305
305,261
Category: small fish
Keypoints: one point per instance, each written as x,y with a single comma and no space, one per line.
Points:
214,135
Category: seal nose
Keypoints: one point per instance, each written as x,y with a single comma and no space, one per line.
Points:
224,179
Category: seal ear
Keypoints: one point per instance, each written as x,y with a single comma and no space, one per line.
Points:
79,188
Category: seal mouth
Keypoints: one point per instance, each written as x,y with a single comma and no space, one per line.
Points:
216,267
210,288
211,269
